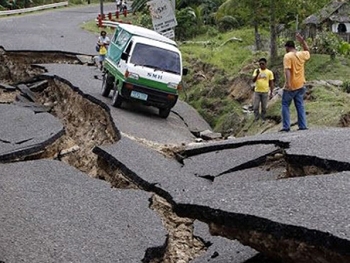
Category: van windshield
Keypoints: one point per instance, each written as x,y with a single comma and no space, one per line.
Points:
157,58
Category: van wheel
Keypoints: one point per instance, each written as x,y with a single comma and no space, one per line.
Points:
117,99
107,84
164,112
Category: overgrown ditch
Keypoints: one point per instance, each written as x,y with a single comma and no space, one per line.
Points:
88,125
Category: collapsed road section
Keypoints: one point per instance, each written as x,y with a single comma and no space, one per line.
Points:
302,219
74,124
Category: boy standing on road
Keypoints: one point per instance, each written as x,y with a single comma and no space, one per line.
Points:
294,89
264,82
102,42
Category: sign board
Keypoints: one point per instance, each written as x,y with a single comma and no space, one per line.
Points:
173,3
162,13
169,33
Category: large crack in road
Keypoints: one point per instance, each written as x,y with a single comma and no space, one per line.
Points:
88,124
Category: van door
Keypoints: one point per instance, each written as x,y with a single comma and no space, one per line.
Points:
117,46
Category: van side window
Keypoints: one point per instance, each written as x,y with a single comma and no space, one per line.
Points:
122,39
115,36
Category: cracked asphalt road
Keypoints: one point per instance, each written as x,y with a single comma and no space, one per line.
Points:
51,212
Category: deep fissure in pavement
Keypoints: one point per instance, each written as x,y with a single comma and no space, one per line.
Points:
87,125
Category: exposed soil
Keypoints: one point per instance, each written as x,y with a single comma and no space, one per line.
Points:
7,97
345,120
182,245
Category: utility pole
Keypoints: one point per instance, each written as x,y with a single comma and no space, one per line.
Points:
173,4
297,23
101,8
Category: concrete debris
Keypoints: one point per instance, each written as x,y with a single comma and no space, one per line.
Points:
39,86
7,87
27,92
210,135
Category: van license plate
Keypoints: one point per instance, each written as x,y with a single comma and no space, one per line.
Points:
138,95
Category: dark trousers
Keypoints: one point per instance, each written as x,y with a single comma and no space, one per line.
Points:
260,98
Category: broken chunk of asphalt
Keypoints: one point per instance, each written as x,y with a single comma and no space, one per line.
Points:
36,108
191,118
217,163
51,212
25,131
298,220
276,218
210,135
7,87
326,148
38,86
27,92
221,249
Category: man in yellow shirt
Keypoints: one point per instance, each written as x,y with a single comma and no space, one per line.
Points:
264,82
294,89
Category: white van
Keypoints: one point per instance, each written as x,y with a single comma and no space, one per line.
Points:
143,66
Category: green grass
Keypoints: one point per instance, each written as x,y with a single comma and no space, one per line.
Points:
321,67
328,104
218,51
91,26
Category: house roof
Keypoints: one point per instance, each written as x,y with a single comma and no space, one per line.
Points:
328,12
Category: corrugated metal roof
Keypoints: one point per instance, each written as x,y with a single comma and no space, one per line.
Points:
339,18
327,12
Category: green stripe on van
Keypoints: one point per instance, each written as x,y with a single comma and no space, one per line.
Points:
153,84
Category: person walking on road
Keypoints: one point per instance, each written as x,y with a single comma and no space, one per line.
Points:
123,7
294,87
118,3
264,85
103,42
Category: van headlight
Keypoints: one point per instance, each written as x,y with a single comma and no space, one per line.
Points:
172,85
131,75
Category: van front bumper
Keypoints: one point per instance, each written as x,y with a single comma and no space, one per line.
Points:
148,96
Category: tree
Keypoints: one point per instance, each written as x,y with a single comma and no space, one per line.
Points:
273,34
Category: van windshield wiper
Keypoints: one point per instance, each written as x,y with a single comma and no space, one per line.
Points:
143,65
172,71
158,69
152,67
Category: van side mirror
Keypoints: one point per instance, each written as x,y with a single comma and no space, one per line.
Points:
124,56
184,71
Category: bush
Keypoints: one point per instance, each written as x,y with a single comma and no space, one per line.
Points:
327,43
187,24
145,20
227,23
346,86
344,48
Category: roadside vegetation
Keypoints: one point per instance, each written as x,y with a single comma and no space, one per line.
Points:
220,47
219,82
221,42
